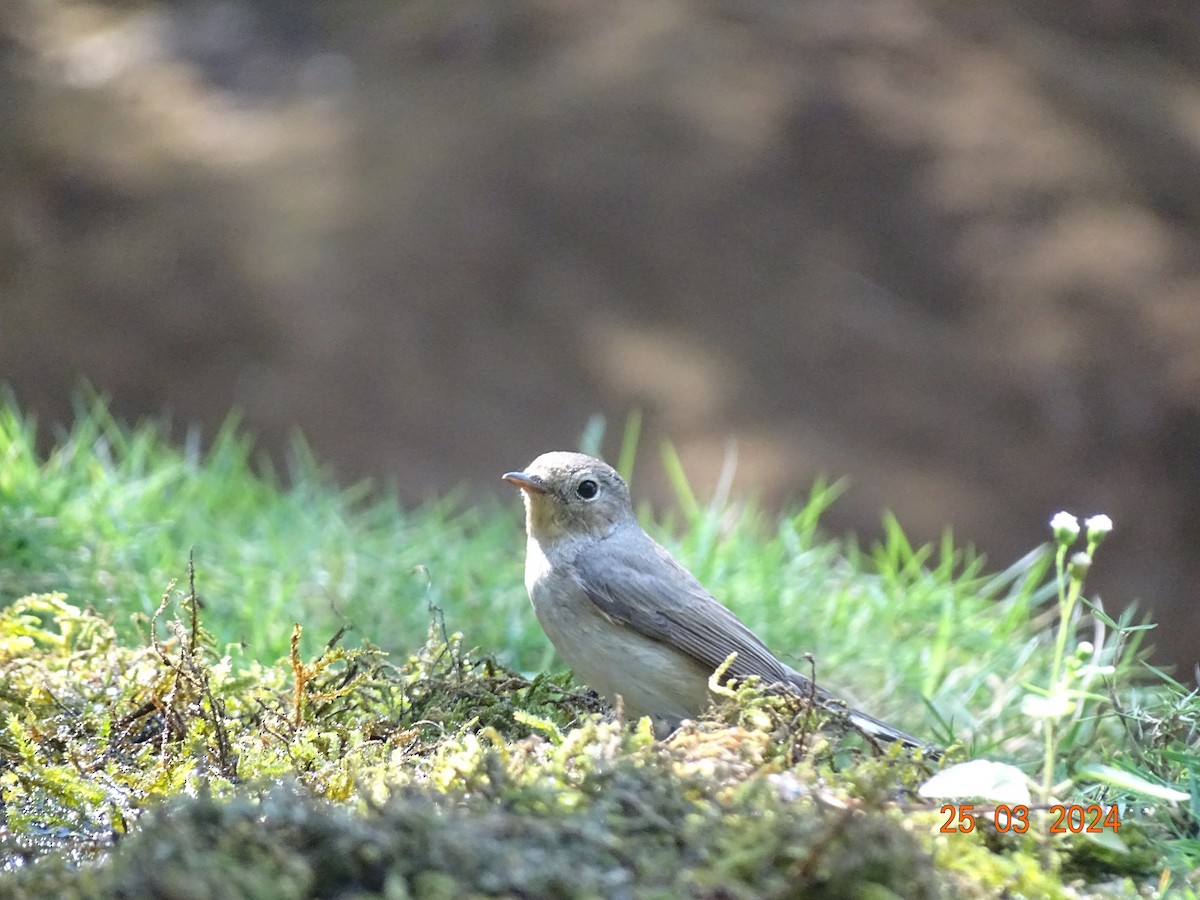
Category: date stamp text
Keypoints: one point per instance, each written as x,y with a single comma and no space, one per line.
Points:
1062,819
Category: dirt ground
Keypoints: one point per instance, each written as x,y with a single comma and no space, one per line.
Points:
948,250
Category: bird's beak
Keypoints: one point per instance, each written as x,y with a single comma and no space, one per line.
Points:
525,482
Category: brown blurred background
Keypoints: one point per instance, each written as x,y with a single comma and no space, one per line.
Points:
949,250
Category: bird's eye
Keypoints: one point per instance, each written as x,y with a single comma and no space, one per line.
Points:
587,489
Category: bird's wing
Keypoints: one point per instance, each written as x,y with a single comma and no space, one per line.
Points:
653,594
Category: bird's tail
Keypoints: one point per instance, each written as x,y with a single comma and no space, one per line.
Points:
873,728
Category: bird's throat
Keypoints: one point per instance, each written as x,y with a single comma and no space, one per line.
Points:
541,522
536,564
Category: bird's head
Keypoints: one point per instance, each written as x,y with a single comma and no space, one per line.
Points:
570,495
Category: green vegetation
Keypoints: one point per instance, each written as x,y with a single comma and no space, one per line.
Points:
299,716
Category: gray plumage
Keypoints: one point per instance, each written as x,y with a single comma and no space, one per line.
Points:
627,618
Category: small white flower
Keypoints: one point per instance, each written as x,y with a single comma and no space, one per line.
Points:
1065,527
1097,528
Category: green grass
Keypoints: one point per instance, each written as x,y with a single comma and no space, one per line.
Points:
111,515
928,638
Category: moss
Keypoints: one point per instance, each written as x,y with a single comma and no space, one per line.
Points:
642,832
171,770
91,731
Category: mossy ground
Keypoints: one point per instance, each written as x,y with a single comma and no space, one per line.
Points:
441,776
151,756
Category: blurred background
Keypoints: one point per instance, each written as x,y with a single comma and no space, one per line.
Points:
948,250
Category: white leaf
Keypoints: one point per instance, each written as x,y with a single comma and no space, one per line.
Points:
981,778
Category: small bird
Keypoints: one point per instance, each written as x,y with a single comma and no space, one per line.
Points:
629,620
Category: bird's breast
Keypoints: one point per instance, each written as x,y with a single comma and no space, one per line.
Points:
651,677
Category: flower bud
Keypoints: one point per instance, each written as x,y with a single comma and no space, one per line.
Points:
1065,527
1098,528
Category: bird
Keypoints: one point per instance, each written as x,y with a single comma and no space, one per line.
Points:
628,619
